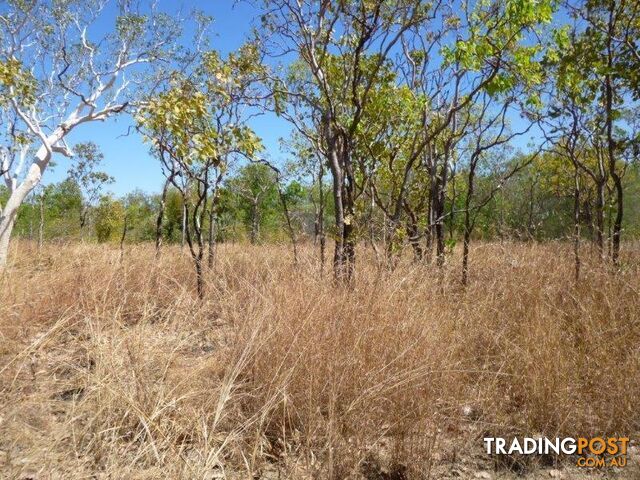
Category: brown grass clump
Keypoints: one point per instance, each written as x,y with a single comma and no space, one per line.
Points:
113,369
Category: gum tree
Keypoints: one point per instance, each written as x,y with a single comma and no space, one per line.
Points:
196,128
604,60
341,49
85,174
58,72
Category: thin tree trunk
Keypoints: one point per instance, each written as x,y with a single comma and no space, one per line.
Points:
372,236
611,144
600,203
467,225
576,223
184,223
413,231
160,219
452,210
440,206
254,221
442,187
321,201
287,216
199,278
125,226
212,236
41,225
338,253
198,216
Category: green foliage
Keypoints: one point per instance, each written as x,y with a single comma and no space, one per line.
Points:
180,121
109,219
16,83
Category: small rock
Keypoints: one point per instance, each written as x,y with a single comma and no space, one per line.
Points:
555,474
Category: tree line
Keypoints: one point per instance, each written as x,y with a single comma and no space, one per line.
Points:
414,123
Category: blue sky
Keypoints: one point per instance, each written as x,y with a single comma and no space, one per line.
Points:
127,158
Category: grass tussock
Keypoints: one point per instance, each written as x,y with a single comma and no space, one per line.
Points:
111,368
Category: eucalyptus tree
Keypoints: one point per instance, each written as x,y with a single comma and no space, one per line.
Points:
64,64
467,50
569,122
196,127
84,172
309,163
488,151
340,49
604,51
390,161
256,185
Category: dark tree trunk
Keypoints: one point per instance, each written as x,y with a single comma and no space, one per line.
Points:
343,181
439,212
160,218
413,232
611,143
601,185
287,216
197,218
199,277
468,226
320,219
431,204
123,237
185,226
576,223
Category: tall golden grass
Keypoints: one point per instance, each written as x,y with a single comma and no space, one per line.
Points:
111,367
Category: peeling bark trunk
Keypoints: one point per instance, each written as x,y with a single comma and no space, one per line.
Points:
339,258
345,253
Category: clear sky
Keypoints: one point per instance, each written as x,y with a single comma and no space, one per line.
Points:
127,158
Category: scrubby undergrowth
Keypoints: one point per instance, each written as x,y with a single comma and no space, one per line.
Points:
112,369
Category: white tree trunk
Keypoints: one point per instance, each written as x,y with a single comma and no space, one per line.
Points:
6,226
32,179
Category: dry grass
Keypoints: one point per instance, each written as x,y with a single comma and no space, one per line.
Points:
115,370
